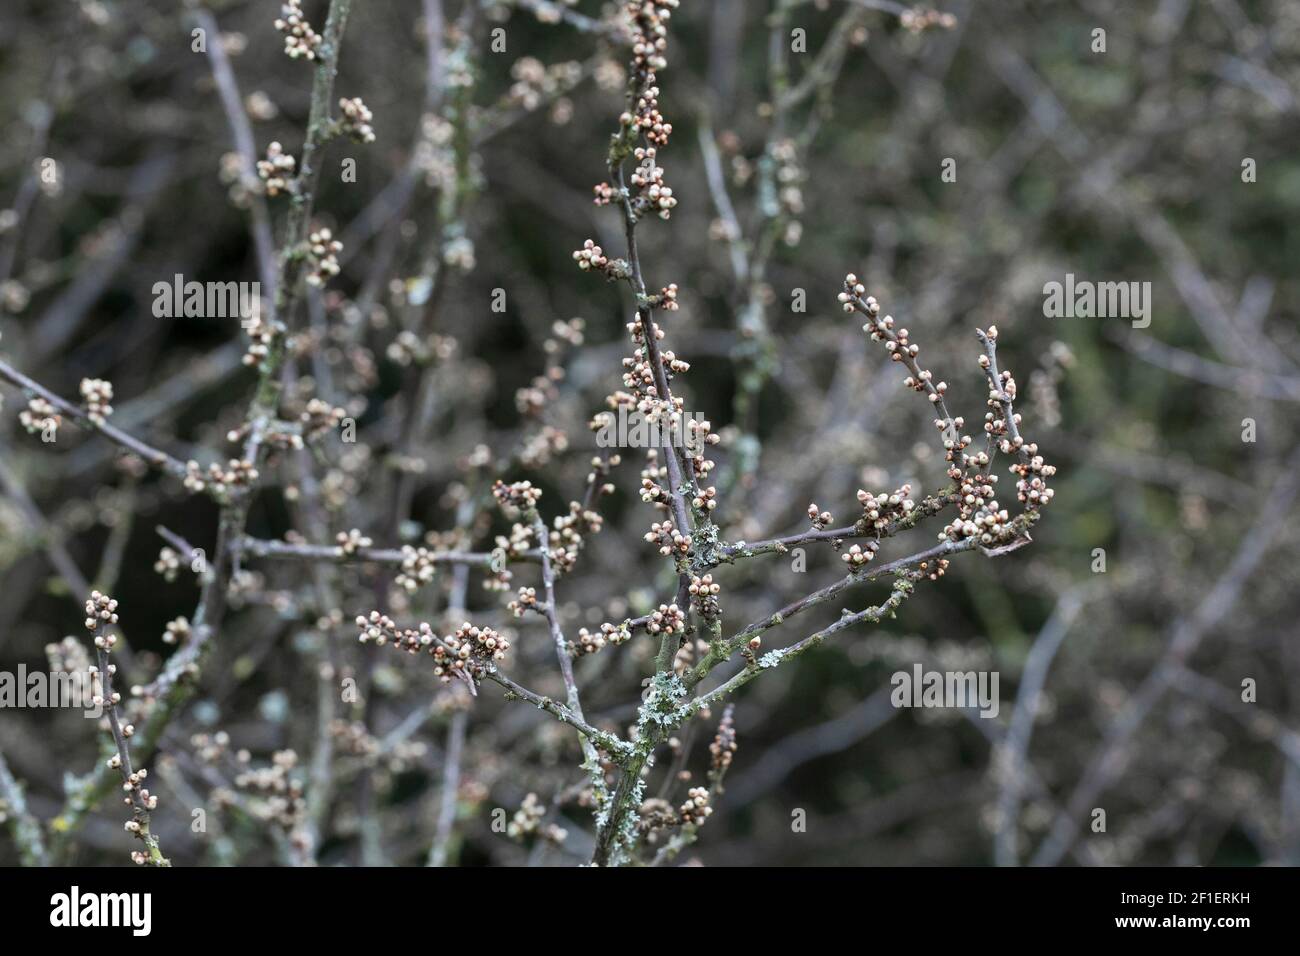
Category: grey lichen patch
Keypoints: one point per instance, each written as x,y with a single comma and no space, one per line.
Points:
663,705
706,550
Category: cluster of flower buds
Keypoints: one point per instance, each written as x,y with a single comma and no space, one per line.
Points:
591,257
132,785
466,653
352,541
653,815
209,748
300,40
995,426
382,630
1002,425
249,586
532,399
409,349
601,468
168,564
320,417
260,106
277,170
667,619
918,383
568,535
666,299
590,642
652,492
821,520
240,186
1032,488
920,19
261,334
858,555
418,568
516,498
569,334
668,538
696,809
97,396
699,437
639,373
405,755
955,445
435,153
176,631
40,416
789,174
101,611
933,570
704,595
707,499
468,646
352,738
67,656
238,474
511,548
649,43
526,601
723,746
526,825
538,450
850,297
322,254
882,328
653,194
638,376
356,120
883,508
535,82
978,513
277,795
